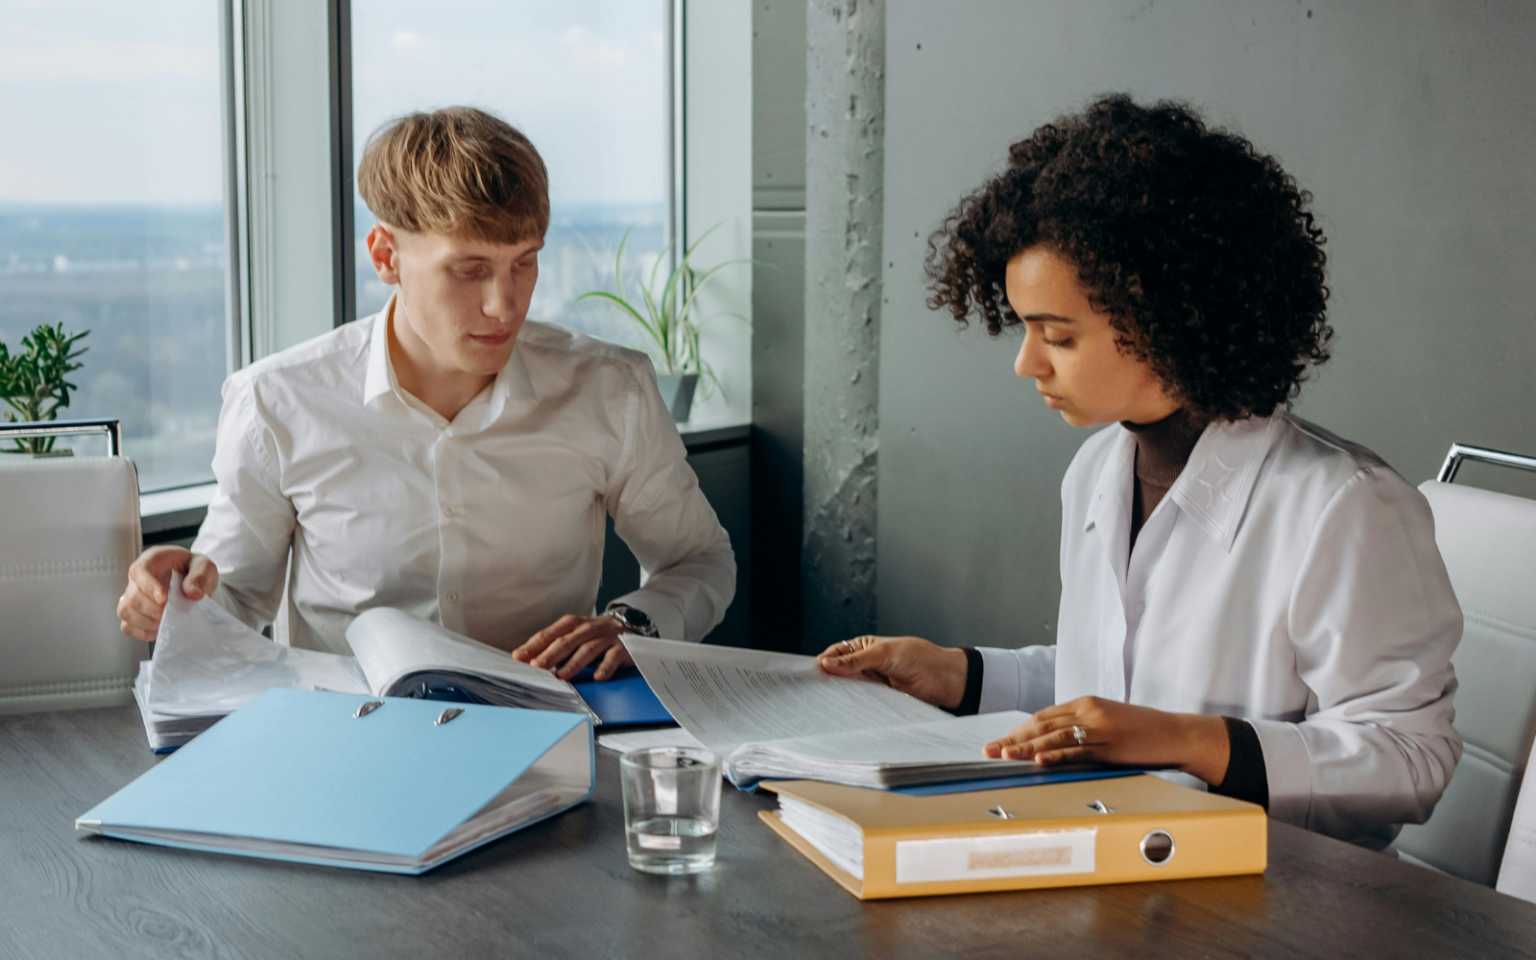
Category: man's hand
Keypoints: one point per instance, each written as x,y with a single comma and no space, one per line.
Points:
929,672
149,583
570,643
1115,732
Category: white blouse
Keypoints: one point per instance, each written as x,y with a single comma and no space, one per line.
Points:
1288,577
492,525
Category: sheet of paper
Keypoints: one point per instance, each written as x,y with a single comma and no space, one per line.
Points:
727,696
646,739
940,742
207,662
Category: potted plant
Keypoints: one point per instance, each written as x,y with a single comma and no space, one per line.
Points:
667,315
32,382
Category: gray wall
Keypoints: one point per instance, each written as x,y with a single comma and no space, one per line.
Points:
778,312
1414,124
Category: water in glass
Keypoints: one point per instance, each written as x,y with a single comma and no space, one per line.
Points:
671,808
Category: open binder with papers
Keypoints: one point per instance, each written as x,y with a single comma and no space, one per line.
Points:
779,716
352,781
877,844
207,663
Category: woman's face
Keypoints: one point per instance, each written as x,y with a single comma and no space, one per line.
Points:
1070,351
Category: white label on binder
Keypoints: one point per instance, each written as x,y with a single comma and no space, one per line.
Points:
1003,855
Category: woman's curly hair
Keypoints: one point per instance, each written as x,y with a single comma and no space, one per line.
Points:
1203,251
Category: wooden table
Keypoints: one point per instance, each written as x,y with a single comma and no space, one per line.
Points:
563,889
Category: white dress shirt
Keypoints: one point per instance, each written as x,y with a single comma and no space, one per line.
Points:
338,483
1288,577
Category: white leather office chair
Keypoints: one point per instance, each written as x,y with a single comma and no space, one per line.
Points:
69,528
1488,541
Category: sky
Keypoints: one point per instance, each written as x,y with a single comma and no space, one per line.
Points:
117,101
104,101
584,79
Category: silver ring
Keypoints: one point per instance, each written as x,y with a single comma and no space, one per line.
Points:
1079,734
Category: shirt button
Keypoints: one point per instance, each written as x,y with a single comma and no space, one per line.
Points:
447,511
453,598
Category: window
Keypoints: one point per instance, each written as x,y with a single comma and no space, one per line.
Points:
111,213
586,80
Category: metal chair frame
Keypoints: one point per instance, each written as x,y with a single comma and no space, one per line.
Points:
1461,452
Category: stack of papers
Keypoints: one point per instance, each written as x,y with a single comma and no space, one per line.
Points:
207,664
835,838
780,716
886,758
405,656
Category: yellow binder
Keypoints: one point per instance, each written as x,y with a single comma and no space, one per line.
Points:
1120,830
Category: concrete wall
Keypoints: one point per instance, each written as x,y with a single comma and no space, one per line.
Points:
844,206
1412,123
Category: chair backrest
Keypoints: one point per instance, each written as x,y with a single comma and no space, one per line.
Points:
1488,541
69,528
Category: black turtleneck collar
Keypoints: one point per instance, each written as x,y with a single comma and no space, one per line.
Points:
1163,447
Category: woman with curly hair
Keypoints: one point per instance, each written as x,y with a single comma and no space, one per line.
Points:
1246,597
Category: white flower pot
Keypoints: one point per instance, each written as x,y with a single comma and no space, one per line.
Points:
677,393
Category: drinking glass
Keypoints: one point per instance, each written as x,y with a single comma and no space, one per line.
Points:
671,808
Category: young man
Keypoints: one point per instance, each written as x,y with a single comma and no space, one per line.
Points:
447,456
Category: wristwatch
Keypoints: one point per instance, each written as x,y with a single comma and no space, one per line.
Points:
633,620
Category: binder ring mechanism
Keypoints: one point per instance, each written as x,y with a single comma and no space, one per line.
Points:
442,718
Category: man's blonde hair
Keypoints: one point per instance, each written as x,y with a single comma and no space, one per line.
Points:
458,171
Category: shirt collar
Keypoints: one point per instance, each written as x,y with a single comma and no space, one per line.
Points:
1215,485
380,378
1224,466
512,383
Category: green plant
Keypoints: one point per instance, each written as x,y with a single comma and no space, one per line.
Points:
667,317
32,382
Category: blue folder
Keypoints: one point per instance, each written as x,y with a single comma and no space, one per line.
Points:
1022,780
297,775
625,700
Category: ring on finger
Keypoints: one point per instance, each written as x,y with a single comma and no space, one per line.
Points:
1079,734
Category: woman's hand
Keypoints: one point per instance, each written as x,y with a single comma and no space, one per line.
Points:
572,642
1115,732
927,671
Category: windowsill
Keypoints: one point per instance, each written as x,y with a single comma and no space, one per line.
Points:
173,509
184,507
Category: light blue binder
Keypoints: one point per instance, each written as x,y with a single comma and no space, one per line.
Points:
298,775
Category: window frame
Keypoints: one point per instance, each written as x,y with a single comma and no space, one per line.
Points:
275,298
344,159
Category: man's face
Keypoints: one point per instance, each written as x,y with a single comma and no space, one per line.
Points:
464,300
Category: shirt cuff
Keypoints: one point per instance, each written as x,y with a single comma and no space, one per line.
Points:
971,698
1022,679
663,612
1246,778
999,680
1288,769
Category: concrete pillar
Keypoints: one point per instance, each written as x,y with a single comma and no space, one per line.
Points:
845,156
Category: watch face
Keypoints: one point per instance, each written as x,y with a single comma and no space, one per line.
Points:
635,621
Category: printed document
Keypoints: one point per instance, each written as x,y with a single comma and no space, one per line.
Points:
207,664
778,715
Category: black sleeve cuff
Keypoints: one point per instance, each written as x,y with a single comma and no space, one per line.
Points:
970,701
1247,778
